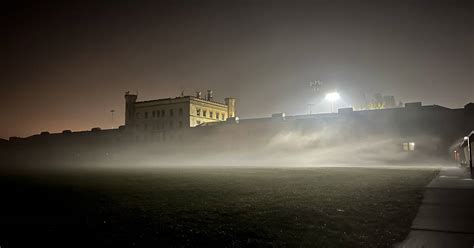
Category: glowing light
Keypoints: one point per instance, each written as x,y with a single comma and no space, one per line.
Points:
332,97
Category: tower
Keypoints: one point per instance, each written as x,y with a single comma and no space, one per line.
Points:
230,102
130,100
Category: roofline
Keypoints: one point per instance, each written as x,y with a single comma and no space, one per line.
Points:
183,97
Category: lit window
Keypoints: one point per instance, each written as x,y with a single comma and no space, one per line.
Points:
411,146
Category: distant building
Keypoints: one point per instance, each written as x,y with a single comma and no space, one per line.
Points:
175,113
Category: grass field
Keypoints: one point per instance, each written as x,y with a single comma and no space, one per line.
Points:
226,207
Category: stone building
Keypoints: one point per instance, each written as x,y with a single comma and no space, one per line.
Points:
175,113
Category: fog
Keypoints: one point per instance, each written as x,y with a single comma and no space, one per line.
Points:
273,144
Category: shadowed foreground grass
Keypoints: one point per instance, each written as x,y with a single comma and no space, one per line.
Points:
231,207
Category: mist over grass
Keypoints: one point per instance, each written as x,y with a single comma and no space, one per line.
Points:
318,146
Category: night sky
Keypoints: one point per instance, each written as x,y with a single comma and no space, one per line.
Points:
66,65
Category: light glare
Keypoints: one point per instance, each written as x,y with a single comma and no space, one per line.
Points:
332,97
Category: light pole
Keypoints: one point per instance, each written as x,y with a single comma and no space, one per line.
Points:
332,97
112,112
310,105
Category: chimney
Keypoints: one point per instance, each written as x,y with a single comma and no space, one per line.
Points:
209,95
198,94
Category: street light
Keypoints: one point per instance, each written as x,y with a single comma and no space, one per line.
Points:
112,112
332,97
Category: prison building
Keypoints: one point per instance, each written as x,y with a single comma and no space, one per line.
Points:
175,113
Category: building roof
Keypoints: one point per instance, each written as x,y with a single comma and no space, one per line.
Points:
185,98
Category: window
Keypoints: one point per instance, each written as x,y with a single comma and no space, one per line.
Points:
146,115
180,112
223,116
409,146
157,113
162,113
211,114
217,115
171,112
198,112
154,114
204,113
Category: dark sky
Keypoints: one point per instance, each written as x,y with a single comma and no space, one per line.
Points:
66,64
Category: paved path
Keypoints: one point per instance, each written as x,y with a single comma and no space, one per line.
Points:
446,215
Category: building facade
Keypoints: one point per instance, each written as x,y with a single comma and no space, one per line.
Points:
175,113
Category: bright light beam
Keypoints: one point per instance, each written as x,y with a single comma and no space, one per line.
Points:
332,97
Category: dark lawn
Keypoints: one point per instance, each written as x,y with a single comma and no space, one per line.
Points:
232,207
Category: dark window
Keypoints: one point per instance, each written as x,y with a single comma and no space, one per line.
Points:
217,115
171,112
198,112
204,113
180,111
162,113
154,114
211,114
157,113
